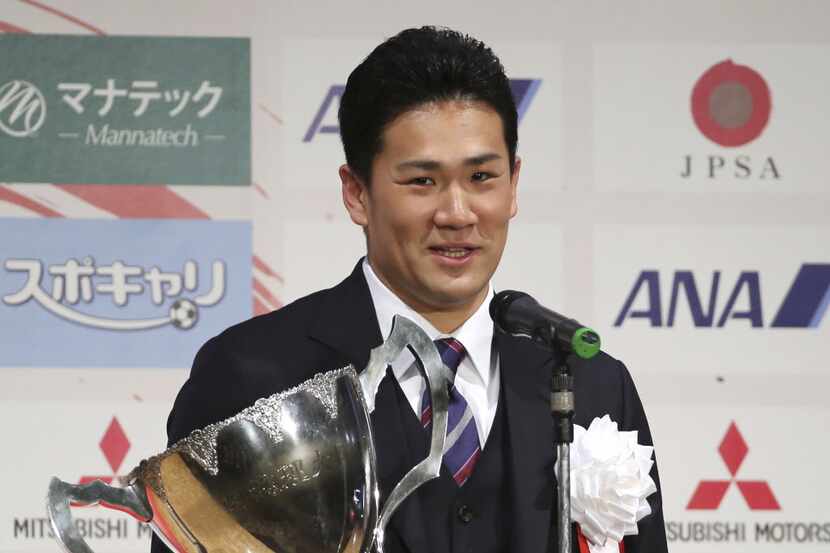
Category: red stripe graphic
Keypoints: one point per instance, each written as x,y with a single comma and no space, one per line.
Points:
260,308
18,199
266,294
64,15
262,191
7,27
273,115
262,266
133,201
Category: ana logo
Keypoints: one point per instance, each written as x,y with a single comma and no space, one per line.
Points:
804,305
22,109
75,282
731,106
114,445
710,493
317,126
325,120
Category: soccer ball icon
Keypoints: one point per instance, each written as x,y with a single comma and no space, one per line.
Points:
184,314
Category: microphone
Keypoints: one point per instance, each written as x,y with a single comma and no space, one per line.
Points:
518,314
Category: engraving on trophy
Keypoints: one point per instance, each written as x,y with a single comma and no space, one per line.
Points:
292,475
287,476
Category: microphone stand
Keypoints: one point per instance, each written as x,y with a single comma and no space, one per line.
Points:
562,410
518,314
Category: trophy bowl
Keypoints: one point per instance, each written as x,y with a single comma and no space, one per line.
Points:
292,473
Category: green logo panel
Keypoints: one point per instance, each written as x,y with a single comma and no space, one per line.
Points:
125,110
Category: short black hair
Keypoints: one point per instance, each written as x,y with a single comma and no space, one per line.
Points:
416,67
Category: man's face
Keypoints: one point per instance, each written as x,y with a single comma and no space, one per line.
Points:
437,210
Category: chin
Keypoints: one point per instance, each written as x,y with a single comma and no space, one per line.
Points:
458,295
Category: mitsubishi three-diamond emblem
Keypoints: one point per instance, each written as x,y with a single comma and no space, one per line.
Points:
710,493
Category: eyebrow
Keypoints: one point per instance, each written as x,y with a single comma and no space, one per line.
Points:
432,165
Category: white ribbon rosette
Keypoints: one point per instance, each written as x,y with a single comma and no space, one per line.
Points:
609,483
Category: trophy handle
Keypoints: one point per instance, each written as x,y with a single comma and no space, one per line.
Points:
405,333
130,500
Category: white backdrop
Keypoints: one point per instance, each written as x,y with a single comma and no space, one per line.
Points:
602,202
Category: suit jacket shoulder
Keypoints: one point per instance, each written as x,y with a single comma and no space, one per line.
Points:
603,386
267,354
607,383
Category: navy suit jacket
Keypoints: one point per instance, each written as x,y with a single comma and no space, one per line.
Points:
338,326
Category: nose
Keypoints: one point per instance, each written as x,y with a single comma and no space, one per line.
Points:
455,208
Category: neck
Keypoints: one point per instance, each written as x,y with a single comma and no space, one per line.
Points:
448,321
446,318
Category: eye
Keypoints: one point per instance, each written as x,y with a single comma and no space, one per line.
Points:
421,181
481,176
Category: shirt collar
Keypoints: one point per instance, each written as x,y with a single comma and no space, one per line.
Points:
476,334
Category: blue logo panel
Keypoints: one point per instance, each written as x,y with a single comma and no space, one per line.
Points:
125,293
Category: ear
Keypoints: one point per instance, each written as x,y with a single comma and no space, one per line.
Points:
355,196
514,183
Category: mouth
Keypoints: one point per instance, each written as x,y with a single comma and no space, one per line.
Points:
454,252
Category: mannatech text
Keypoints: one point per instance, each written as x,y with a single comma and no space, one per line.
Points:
158,138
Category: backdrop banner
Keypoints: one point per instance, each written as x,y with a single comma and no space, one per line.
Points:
169,169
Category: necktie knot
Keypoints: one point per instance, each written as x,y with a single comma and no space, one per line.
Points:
452,352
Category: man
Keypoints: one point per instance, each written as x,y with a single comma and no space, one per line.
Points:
429,129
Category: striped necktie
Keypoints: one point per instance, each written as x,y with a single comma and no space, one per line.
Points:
462,448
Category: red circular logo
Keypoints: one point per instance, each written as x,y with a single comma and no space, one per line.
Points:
731,104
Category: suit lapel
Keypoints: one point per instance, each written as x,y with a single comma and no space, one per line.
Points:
526,376
348,324
347,321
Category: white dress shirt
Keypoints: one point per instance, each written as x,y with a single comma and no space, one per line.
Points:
477,378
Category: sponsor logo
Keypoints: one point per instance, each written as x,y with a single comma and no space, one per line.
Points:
524,90
317,126
75,282
324,121
721,532
89,528
758,497
140,98
96,290
757,493
731,106
806,302
125,107
22,109
803,306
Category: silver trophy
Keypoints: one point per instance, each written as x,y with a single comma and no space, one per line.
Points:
293,473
